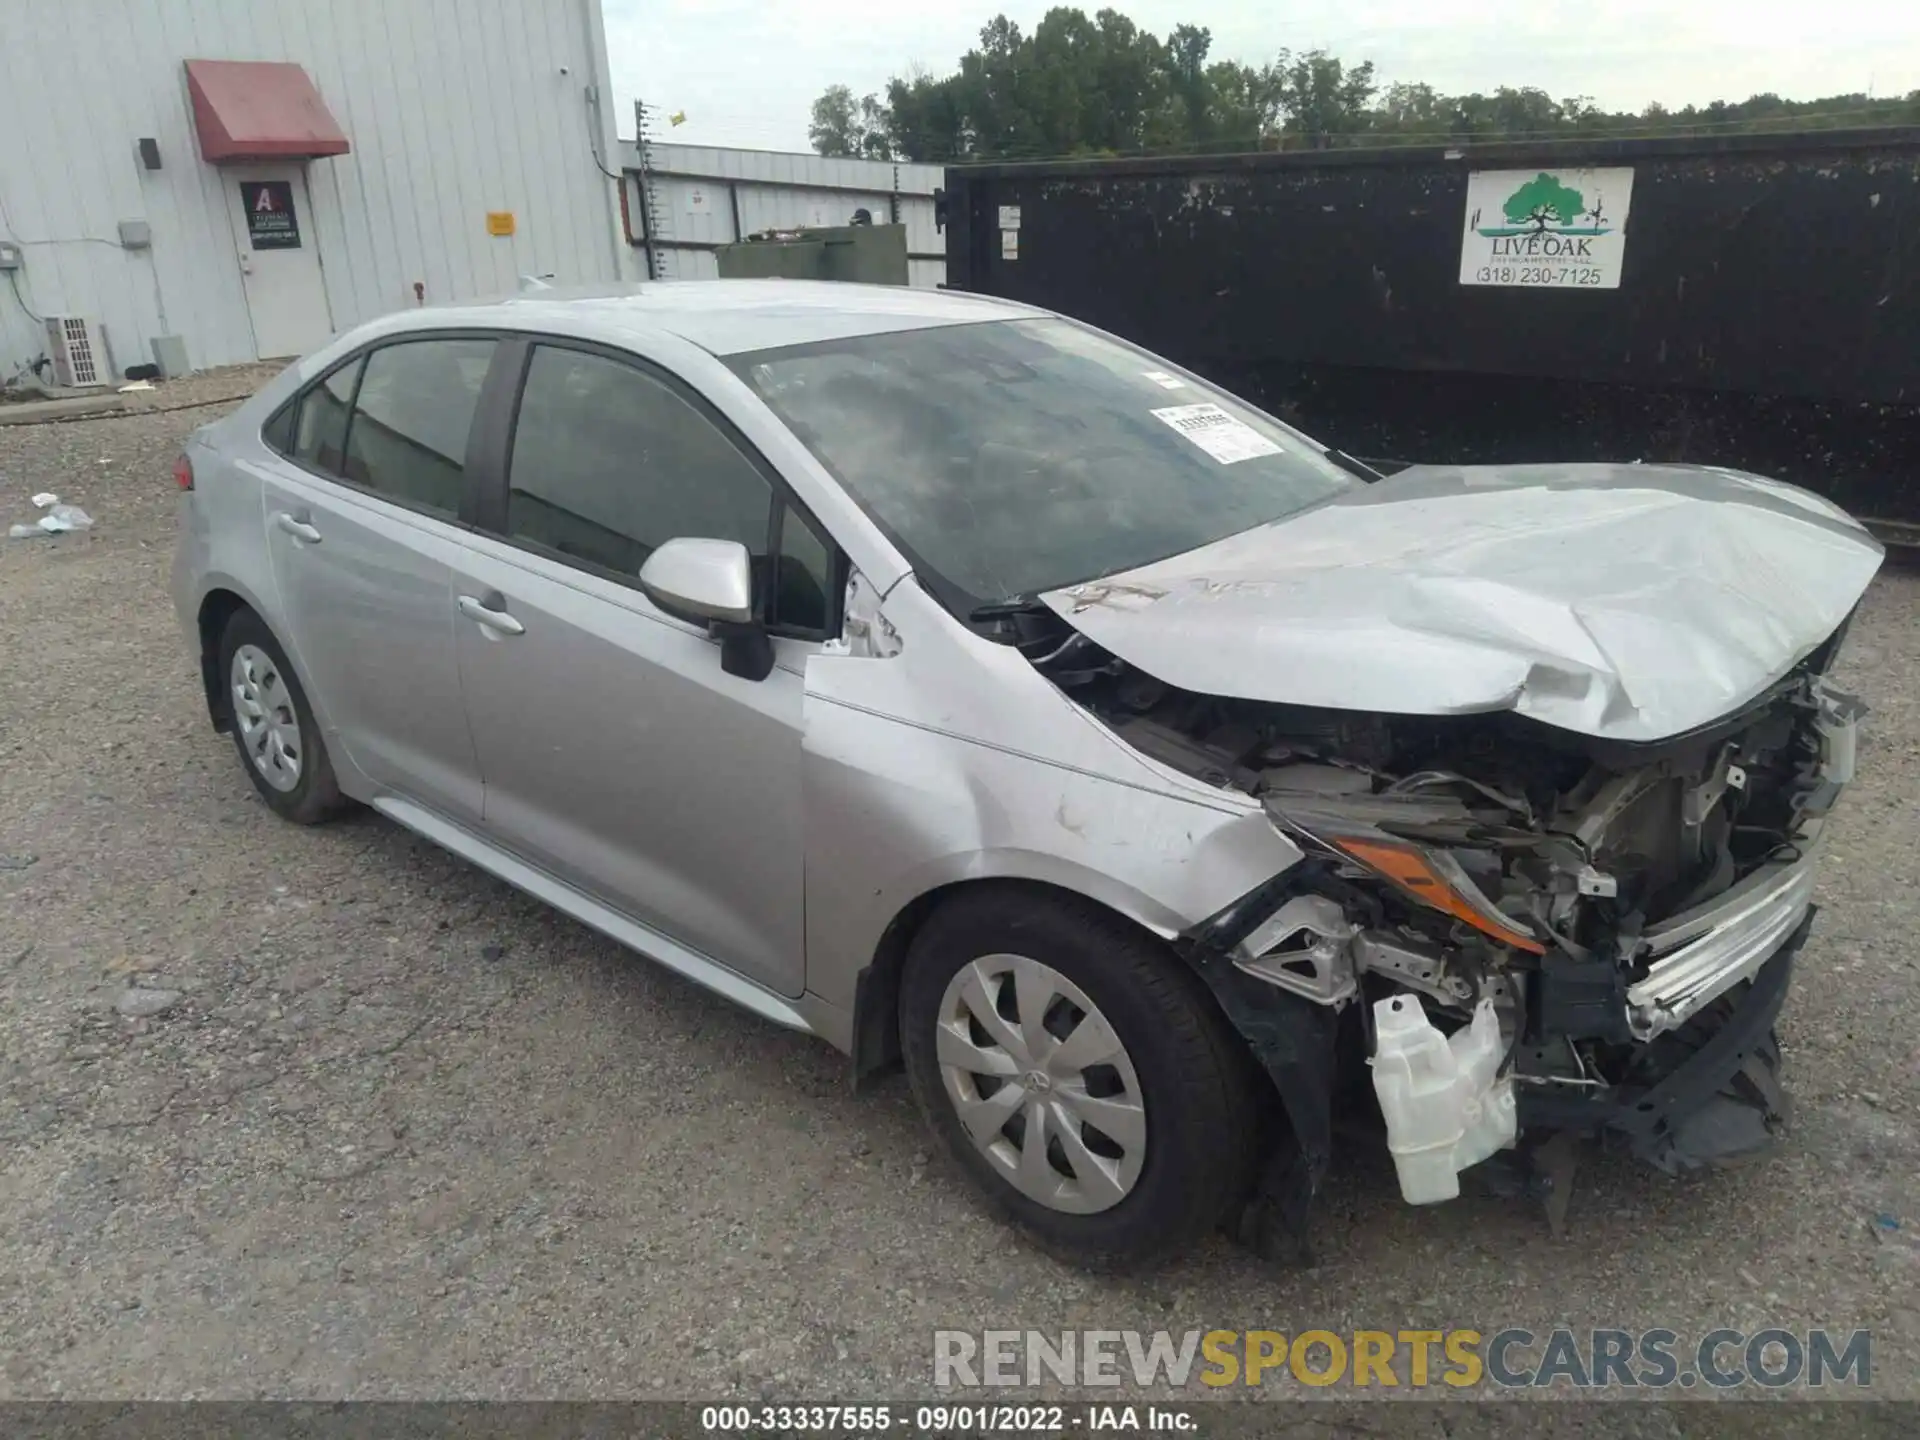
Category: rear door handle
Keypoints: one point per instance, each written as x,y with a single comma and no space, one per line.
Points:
498,621
297,527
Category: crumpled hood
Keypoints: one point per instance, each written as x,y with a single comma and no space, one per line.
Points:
1633,602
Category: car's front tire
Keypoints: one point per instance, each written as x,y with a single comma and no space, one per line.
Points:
273,725
1028,1016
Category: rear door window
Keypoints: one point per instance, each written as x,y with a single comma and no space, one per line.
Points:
411,418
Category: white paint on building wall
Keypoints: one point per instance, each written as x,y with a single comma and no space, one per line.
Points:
454,109
773,190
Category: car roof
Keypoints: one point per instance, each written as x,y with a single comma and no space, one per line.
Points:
724,317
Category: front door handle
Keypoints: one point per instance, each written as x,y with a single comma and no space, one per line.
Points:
297,527
498,621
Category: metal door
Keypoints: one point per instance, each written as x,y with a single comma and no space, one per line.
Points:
279,258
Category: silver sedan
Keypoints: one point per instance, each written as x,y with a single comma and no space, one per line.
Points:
988,696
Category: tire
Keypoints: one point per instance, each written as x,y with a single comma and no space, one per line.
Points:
285,757
1111,1204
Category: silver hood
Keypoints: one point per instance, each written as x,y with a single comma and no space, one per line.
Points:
1633,602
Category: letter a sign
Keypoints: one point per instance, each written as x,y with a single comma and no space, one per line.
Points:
271,222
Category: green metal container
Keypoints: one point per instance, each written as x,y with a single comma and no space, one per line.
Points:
866,254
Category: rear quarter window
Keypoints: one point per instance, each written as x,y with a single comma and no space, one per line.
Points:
320,431
277,433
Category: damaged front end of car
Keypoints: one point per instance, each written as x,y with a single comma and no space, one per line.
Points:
1524,932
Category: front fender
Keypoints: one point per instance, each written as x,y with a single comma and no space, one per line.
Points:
968,765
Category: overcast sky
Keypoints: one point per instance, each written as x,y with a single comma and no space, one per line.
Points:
746,73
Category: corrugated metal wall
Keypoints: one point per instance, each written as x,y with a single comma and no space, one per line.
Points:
697,187
454,108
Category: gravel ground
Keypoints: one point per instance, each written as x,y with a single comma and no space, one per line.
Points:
203,388
390,1129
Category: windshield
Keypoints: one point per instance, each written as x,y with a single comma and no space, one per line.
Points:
1018,456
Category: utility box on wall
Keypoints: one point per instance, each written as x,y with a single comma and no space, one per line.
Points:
865,254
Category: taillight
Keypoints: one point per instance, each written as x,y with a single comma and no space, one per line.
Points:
183,473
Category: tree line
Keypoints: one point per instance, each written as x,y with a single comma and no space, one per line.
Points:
1093,85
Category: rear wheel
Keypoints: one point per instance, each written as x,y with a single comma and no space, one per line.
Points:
1078,1073
273,726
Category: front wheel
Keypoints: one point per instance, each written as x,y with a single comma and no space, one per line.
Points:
1078,1073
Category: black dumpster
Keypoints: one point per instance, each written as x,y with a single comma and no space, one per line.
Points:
1751,301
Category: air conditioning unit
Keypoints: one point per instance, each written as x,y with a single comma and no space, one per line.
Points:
79,350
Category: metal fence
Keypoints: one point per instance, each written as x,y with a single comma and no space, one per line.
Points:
681,203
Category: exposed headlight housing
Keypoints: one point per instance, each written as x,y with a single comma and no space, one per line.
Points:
1424,873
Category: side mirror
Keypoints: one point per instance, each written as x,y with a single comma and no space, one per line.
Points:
701,580
710,582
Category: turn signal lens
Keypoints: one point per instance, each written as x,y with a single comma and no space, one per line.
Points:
1423,876
183,473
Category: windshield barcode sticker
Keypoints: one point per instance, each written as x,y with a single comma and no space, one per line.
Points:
1215,431
1164,380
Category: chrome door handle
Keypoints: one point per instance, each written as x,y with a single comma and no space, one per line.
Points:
496,620
296,527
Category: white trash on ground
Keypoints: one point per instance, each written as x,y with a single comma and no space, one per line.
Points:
58,520
65,517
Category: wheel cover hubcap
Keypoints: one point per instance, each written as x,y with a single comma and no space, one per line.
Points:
1041,1084
264,716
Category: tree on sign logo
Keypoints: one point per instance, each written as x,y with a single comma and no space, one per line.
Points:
1544,201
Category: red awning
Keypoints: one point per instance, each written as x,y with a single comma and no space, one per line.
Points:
260,110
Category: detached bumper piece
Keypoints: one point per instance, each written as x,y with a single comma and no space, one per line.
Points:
1720,1101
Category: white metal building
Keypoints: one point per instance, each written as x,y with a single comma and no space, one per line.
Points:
249,176
684,201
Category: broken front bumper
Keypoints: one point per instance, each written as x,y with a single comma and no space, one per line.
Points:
1698,956
1721,1102
1695,957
